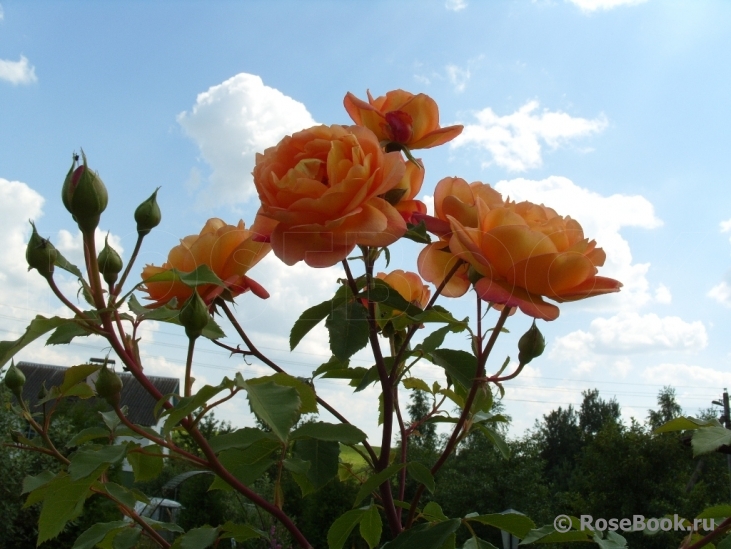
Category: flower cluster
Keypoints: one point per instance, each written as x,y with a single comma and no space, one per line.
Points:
327,189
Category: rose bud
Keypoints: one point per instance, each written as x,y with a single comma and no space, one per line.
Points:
109,386
110,264
14,380
531,345
148,215
194,315
40,254
84,195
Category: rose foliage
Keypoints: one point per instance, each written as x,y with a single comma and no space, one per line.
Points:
329,195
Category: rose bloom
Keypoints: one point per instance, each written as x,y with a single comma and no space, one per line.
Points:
521,252
323,190
401,117
409,285
405,192
229,250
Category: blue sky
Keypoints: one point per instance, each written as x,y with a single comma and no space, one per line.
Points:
614,112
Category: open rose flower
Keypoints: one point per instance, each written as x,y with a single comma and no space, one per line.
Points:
229,250
323,190
521,252
403,196
401,117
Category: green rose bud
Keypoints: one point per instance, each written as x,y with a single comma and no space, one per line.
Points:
148,215
14,380
40,254
531,345
194,315
84,194
110,264
109,386
473,275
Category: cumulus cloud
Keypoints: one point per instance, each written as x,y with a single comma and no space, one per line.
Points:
629,332
515,141
602,218
680,375
233,121
455,5
721,293
588,6
17,72
458,77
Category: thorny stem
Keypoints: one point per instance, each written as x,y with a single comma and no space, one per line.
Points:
274,366
189,367
483,354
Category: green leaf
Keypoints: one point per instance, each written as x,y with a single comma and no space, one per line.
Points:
337,432
348,328
338,533
246,465
710,439
188,405
371,376
120,493
31,483
725,543
307,395
200,276
63,263
433,512
477,543
425,536
686,423
548,534
416,384
97,533
169,526
612,541
63,501
371,527
374,481
85,435
144,466
127,539
198,538
37,327
309,319
511,521
66,332
76,375
715,512
86,462
460,365
496,438
276,405
434,340
418,233
240,532
323,457
170,313
331,365
240,438
296,465
110,419
422,474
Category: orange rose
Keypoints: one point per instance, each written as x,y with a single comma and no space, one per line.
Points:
322,189
230,251
401,117
405,192
522,252
409,285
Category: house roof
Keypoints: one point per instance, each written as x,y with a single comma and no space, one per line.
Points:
140,405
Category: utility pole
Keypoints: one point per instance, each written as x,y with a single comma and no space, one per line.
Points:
726,418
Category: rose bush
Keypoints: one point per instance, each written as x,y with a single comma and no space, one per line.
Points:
401,117
322,188
229,250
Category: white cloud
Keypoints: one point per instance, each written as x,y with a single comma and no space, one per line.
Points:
678,375
515,140
721,292
17,72
455,5
589,6
458,77
629,332
2,13
663,295
602,218
233,121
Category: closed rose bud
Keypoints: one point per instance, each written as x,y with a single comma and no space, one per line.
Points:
531,345
40,254
148,215
194,315
109,386
84,195
14,380
110,264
